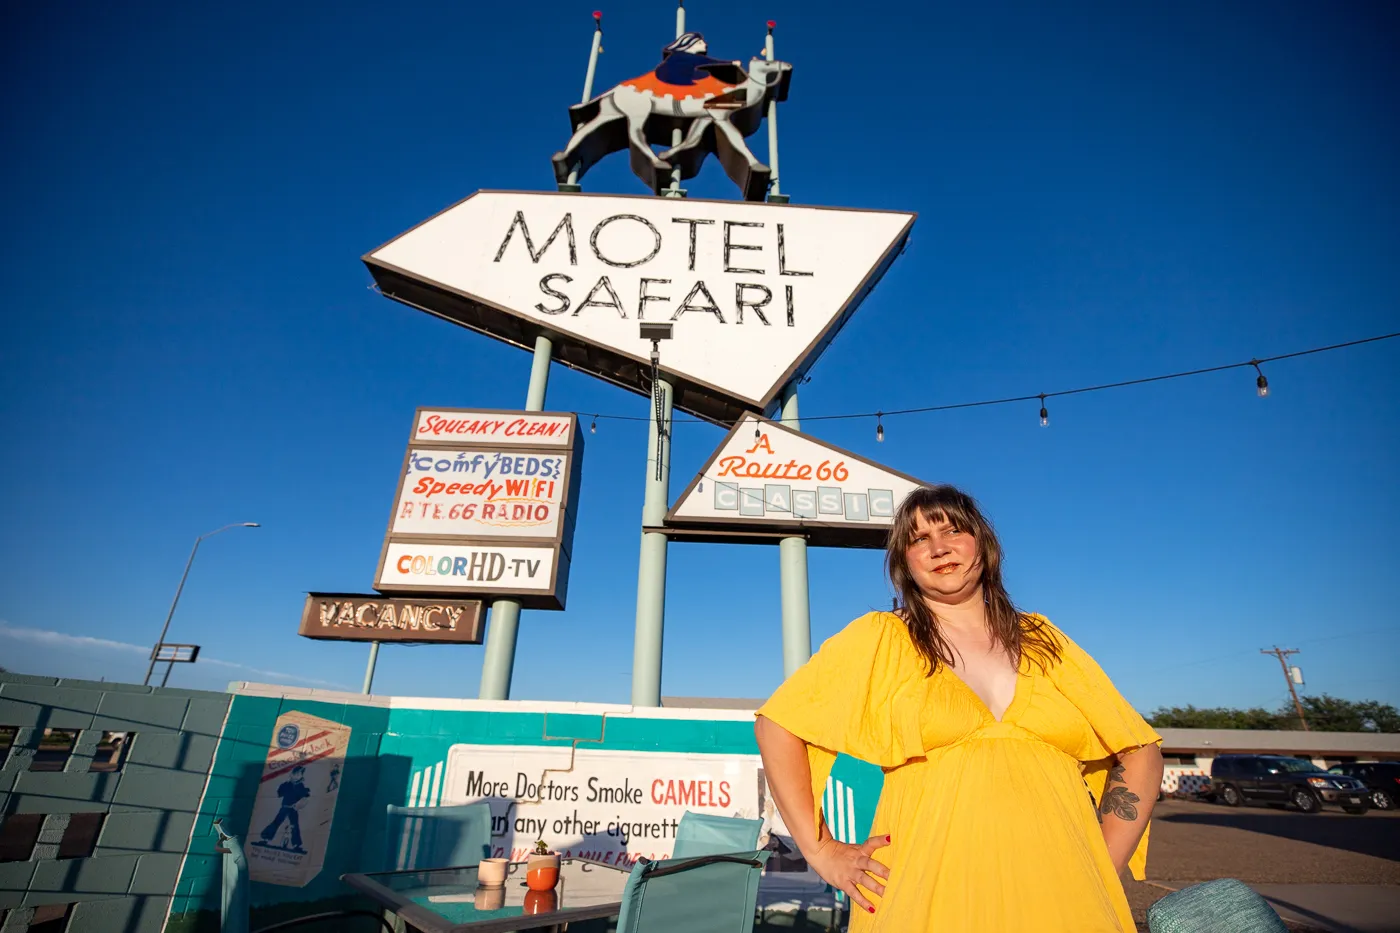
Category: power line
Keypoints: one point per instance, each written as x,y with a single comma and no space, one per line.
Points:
1262,383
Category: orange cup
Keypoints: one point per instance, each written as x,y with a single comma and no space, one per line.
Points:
542,877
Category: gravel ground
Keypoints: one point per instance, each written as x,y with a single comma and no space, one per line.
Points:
1194,842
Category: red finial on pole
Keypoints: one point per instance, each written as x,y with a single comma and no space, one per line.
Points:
598,15
771,24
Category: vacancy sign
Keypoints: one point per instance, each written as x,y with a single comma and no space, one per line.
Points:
767,481
756,291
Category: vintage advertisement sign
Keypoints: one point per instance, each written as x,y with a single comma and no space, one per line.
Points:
525,429
481,493
755,290
295,805
538,574
485,505
359,617
766,480
596,803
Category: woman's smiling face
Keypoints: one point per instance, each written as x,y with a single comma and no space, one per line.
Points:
943,560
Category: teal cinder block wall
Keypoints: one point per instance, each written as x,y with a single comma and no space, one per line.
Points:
388,746
146,802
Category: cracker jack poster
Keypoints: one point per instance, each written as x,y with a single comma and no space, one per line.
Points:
593,803
292,814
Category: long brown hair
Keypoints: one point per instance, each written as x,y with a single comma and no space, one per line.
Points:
1018,633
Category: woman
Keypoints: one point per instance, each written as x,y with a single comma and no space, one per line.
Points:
987,723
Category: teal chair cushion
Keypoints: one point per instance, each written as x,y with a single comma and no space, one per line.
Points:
706,834
1221,906
710,894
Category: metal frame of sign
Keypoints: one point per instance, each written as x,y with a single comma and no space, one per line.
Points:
769,530
475,628
629,371
560,543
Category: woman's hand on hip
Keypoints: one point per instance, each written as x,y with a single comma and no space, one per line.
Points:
845,867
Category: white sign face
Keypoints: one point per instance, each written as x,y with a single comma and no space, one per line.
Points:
766,476
292,814
468,568
527,429
480,493
754,290
609,805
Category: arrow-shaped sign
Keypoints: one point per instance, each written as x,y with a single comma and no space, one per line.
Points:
766,481
755,291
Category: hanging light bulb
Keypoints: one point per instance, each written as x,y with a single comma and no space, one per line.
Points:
1262,382
593,428
1044,414
879,427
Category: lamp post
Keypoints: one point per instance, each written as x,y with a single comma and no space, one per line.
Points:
180,589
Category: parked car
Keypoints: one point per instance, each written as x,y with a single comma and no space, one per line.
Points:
1280,780
1382,777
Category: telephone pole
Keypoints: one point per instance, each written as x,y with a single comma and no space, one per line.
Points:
1282,655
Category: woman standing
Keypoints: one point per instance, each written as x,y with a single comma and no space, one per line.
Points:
988,723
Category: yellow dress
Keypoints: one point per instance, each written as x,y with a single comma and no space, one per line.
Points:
994,829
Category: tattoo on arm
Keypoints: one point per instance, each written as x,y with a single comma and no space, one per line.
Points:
1118,800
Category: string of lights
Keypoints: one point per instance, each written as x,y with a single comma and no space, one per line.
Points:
1261,387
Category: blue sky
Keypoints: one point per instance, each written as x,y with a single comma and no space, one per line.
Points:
1105,192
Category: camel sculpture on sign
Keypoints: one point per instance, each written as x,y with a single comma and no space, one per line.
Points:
714,103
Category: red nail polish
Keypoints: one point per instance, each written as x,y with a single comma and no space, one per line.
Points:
871,909
889,839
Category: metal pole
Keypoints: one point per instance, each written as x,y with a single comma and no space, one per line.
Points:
499,663
164,629
168,668
171,614
792,573
1281,654
774,192
588,78
676,135
651,568
369,668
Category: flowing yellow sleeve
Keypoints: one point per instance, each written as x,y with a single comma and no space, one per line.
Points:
845,700
1117,726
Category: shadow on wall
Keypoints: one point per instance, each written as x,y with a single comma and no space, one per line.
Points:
1374,836
357,843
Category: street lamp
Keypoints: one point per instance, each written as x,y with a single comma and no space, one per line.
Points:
178,590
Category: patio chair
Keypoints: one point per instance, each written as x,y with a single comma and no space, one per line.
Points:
1221,906
710,894
704,834
438,837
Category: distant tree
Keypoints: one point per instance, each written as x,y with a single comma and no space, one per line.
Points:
1332,714
1218,717
1325,714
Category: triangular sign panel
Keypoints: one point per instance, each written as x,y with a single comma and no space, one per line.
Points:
766,480
755,291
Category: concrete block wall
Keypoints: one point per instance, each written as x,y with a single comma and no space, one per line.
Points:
147,806
233,787
397,739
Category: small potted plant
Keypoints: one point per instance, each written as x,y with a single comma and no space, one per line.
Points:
542,871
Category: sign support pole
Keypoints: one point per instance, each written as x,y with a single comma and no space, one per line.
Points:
369,668
792,552
775,195
572,184
792,574
651,566
651,569
501,633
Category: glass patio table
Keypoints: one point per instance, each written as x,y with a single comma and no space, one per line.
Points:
449,900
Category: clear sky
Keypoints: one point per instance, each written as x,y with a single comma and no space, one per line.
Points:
1105,191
